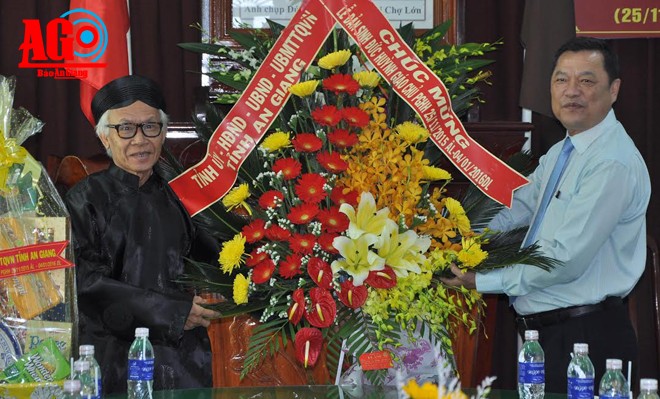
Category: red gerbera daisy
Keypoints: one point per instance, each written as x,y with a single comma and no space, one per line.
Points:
290,267
339,83
385,278
289,167
270,199
306,142
327,115
342,138
352,296
254,231
332,162
342,195
303,213
355,116
277,233
309,188
297,308
302,243
263,271
320,272
324,309
256,257
308,344
332,220
325,241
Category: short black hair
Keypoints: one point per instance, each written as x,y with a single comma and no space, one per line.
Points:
583,43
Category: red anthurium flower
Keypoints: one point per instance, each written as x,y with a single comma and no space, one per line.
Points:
385,278
327,115
270,199
324,309
303,213
306,142
355,116
352,296
290,267
342,138
263,271
289,167
302,243
340,83
277,233
309,188
332,220
297,308
332,162
342,195
308,344
256,257
320,272
325,241
254,231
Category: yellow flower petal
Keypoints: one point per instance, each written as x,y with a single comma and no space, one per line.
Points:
231,255
304,89
333,60
276,141
241,284
367,78
432,173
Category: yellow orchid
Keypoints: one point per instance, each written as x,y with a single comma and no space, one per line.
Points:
357,258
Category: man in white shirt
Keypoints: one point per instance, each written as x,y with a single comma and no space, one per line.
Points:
594,223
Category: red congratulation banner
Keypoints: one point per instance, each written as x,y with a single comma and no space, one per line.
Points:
32,259
620,19
261,102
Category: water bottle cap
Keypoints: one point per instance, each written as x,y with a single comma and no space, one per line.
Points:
71,385
647,384
141,332
86,349
81,365
581,348
615,364
531,334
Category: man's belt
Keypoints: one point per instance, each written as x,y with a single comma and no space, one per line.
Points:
551,317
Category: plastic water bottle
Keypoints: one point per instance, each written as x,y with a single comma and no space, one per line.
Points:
648,388
580,374
71,389
82,373
531,368
87,353
613,385
140,366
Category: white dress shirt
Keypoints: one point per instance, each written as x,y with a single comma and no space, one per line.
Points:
595,224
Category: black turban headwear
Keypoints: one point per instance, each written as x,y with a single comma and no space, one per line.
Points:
124,91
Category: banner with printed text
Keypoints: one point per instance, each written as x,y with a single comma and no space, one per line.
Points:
32,259
249,119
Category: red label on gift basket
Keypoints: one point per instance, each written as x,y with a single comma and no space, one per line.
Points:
261,102
33,258
376,360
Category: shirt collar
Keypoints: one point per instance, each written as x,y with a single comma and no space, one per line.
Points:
583,140
128,179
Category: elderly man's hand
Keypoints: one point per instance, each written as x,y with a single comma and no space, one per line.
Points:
461,278
199,316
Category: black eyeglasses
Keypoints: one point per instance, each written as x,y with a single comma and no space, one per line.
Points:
129,130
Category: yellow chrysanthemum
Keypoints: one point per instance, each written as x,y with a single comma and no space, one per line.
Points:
412,133
276,141
304,89
241,284
231,255
431,173
454,207
333,60
427,391
471,255
367,78
236,197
